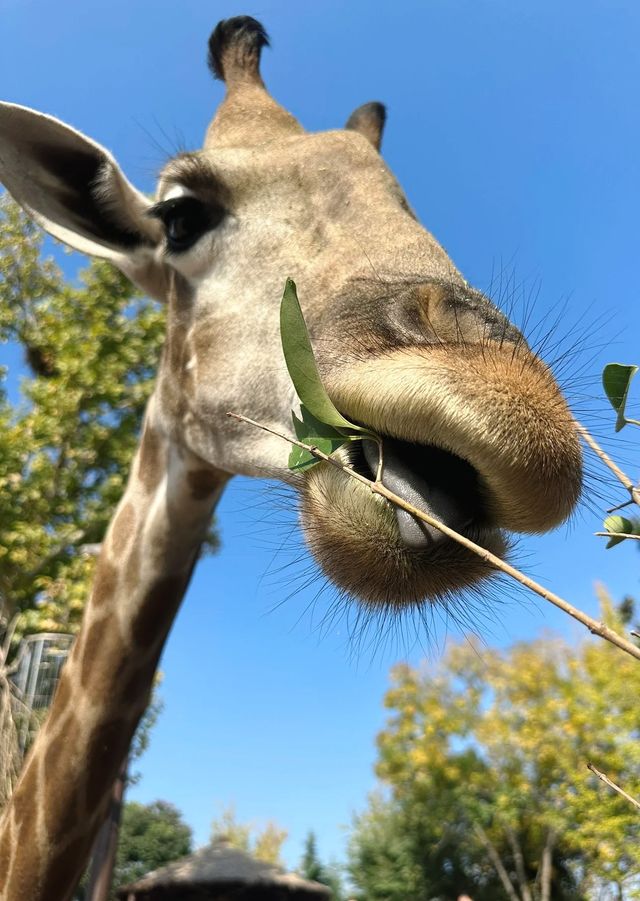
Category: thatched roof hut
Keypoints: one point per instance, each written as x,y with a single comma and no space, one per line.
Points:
221,873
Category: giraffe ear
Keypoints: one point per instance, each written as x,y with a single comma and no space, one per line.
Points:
369,120
75,190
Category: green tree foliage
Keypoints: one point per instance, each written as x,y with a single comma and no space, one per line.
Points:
312,868
151,835
264,843
483,760
92,347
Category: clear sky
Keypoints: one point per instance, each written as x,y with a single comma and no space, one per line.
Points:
514,127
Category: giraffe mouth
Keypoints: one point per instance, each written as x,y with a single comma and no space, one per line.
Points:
430,478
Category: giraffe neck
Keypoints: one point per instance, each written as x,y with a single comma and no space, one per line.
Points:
145,564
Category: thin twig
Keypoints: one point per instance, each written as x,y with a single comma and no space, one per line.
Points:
616,535
634,633
624,479
612,785
597,628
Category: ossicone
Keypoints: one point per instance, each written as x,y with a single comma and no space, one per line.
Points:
369,120
235,46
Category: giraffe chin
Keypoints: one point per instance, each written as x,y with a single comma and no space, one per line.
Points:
358,543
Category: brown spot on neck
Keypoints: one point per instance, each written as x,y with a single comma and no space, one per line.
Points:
106,750
122,530
67,869
150,461
203,483
105,583
158,610
60,809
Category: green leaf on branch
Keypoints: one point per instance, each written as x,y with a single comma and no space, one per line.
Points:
322,425
317,434
620,524
616,379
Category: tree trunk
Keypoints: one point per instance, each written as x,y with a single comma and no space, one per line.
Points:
106,844
525,891
545,868
495,860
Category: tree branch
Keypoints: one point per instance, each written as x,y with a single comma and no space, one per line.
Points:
624,479
495,860
611,784
545,867
519,862
595,627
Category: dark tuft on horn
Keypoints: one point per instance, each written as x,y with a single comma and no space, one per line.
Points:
369,120
236,43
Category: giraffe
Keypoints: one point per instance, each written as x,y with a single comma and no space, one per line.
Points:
473,424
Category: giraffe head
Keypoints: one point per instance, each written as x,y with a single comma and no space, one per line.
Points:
474,427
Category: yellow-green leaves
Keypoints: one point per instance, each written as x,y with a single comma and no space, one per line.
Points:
616,380
500,739
322,425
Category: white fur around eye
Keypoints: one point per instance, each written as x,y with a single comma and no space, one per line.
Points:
196,262
177,191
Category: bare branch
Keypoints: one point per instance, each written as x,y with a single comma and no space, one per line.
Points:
595,627
611,784
624,479
495,860
518,858
545,867
617,535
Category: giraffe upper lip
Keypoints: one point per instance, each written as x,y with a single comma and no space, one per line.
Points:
431,479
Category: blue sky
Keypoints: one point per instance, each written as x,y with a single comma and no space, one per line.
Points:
514,128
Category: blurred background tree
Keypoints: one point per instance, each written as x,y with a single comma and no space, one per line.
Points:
312,868
265,842
151,835
486,791
65,446
91,346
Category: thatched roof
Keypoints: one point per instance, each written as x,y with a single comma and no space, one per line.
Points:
219,871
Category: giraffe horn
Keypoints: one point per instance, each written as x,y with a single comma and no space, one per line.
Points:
248,114
235,47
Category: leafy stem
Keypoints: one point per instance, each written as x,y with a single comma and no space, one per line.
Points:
377,487
320,423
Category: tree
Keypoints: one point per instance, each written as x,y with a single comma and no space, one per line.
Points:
151,835
487,792
312,868
265,843
91,346
65,450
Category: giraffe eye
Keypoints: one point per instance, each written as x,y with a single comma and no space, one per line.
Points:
185,220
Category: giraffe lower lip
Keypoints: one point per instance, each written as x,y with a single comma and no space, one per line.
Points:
429,480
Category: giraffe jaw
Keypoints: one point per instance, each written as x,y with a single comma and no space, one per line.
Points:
363,547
